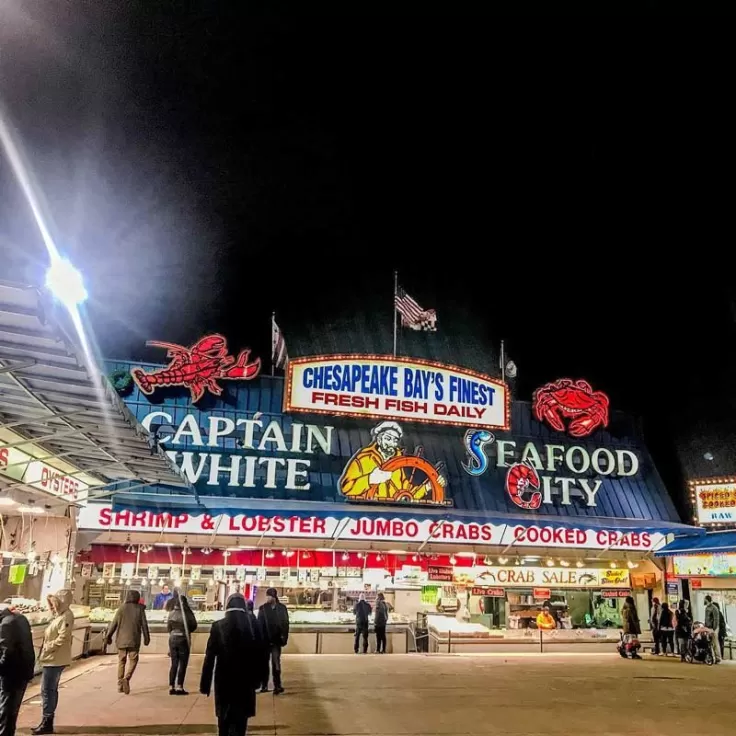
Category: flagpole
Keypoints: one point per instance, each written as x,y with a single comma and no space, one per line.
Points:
396,291
273,335
503,364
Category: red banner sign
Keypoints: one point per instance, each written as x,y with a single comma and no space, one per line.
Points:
615,593
440,574
489,592
541,594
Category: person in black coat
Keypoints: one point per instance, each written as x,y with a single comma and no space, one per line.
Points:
181,624
362,613
17,659
274,623
234,654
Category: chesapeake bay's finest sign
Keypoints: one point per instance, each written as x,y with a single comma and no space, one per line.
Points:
101,517
395,388
714,500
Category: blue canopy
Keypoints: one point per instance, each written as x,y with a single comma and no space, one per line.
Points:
700,544
231,506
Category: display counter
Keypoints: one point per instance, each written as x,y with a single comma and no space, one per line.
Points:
310,632
449,636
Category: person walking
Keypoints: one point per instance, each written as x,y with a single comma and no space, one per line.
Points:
655,617
721,631
362,613
17,659
128,626
667,629
234,656
181,624
683,628
55,655
631,626
713,622
274,622
380,621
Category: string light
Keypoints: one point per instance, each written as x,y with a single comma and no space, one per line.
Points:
550,562
579,563
453,560
503,560
564,563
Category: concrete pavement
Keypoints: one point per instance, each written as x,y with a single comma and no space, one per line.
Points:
398,695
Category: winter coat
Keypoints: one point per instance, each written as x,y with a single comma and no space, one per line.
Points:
56,650
129,625
362,613
160,601
683,624
712,618
666,620
630,619
17,656
274,622
381,617
655,617
175,621
235,655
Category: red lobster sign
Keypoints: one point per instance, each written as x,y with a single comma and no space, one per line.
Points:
574,400
199,367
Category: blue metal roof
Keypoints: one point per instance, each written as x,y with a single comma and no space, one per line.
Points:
640,497
700,544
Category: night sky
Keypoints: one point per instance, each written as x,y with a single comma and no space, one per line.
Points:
205,167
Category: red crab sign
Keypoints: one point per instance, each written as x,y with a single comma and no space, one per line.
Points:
573,400
198,368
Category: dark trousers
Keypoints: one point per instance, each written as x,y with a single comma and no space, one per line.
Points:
722,645
179,653
668,640
657,639
361,630
274,660
682,645
380,638
232,726
50,690
11,697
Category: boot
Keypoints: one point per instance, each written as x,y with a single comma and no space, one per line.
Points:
46,726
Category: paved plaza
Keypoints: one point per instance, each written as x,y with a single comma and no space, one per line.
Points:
419,695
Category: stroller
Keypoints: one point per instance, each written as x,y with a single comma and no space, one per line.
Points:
629,646
700,646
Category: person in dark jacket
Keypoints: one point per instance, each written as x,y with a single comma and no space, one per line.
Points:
234,653
380,621
274,622
683,628
181,624
721,630
129,626
713,622
655,618
667,629
17,659
362,613
631,625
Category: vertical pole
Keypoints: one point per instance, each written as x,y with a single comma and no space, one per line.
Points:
503,364
396,321
273,335
137,561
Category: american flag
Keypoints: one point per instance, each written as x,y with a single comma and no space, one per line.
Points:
279,356
412,315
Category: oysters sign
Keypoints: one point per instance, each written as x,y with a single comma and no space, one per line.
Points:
381,387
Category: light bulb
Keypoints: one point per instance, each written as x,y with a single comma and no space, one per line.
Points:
503,560
564,563
550,562
579,563
632,565
161,582
614,565
453,560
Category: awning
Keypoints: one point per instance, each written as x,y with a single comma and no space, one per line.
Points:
229,506
700,544
61,420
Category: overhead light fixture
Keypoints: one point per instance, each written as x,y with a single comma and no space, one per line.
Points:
65,282
614,565
550,562
206,550
345,556
632,565
379,557
6,501
161,582
415,558
564,563
453,560
503,560
100,581
579,563
270,555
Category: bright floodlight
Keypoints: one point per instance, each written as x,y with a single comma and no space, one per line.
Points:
65,282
